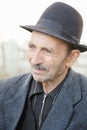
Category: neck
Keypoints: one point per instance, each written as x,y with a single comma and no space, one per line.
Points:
50,85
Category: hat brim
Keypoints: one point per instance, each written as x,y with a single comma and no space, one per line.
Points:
80,47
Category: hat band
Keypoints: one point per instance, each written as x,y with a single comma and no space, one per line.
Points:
56,28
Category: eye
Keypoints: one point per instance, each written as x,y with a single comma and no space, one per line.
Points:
31,46
47,50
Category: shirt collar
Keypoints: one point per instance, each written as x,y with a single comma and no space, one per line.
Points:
36,88
57,90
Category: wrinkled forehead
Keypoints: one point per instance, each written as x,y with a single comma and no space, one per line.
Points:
47,40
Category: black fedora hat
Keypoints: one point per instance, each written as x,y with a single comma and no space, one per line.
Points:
61,21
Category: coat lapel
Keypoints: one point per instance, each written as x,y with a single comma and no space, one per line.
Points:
62,110
15,104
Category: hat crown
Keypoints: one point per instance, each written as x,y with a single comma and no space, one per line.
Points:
65,15
61,21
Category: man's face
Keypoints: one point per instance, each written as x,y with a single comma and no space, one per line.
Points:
47,57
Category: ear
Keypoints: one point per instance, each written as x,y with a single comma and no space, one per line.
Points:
72,58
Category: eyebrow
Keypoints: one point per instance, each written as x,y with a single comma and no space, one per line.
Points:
43,48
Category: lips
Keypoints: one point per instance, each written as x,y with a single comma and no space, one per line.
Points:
38,71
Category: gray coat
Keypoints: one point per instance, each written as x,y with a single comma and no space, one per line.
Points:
69,111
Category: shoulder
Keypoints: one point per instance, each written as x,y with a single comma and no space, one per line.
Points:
12,81
83,79
81,82
78,77
78,81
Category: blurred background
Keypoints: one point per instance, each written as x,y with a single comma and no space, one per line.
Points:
14,40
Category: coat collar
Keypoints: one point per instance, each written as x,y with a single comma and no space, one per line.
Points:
62,110
15,102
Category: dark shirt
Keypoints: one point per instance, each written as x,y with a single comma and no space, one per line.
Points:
37,107
41,102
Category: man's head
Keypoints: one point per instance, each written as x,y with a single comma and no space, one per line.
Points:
54,44
49,57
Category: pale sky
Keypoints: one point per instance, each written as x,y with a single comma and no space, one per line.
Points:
26,12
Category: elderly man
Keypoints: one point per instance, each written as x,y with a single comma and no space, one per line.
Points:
52,96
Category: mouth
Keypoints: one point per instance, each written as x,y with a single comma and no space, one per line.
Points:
38,71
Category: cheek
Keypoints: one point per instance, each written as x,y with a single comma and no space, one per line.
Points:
29,56
57,62
50,62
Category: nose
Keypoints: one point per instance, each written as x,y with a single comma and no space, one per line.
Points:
36,58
